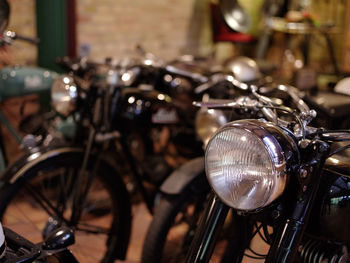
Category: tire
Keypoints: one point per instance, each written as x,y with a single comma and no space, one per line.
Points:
167,232
105,208
160,243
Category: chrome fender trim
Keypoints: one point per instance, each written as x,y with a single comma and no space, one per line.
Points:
25,163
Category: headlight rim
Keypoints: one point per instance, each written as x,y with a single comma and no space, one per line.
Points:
279,137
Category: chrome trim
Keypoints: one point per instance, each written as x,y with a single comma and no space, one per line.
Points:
64,94
37,157
339,164
281,147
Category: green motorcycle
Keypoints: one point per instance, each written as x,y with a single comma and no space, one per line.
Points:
19,81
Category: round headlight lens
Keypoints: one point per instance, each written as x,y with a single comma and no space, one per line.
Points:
64,93
245,165
207,122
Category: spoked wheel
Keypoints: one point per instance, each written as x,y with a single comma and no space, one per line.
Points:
45,198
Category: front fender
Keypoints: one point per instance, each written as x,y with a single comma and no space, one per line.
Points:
29,163
182,176
17,169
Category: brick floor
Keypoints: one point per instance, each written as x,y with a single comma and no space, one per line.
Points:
87,247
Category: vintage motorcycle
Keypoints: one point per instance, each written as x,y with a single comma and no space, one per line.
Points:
19,81
285,182
119,130
184,191
174,223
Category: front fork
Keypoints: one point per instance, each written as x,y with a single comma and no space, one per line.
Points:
286,243
210,225
287,239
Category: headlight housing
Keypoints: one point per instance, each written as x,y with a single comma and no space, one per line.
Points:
64,94
247,161
207,122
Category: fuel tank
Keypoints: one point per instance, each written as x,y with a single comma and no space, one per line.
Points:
330,218
20,81
139,108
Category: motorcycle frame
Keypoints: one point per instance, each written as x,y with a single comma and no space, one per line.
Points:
288,237
100,97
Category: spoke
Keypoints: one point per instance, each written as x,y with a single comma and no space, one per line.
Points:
85,180
58,184
43,201
66,184
92,229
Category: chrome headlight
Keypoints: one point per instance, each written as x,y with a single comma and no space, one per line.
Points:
64,94
246,163
207,122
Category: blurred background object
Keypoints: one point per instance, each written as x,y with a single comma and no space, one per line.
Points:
105,28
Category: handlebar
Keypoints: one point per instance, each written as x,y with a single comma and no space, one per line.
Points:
187,74
262,103
9,36
218,78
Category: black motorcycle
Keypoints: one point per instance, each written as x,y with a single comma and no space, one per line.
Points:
185,191
120,130
286,184
174,223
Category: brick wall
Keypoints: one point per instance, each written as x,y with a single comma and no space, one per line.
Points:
113,28
164,27
22,21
